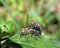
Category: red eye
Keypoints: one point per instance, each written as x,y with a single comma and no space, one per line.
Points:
32,21
22,29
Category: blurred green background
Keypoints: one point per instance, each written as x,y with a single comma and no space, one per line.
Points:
17,14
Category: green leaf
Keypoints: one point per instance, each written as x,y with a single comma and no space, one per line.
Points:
9,27
33,43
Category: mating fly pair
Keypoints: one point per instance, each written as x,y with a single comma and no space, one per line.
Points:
34,29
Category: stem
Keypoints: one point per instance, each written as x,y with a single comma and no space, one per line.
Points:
27,20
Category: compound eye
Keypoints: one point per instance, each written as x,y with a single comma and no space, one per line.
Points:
32,21
22,30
